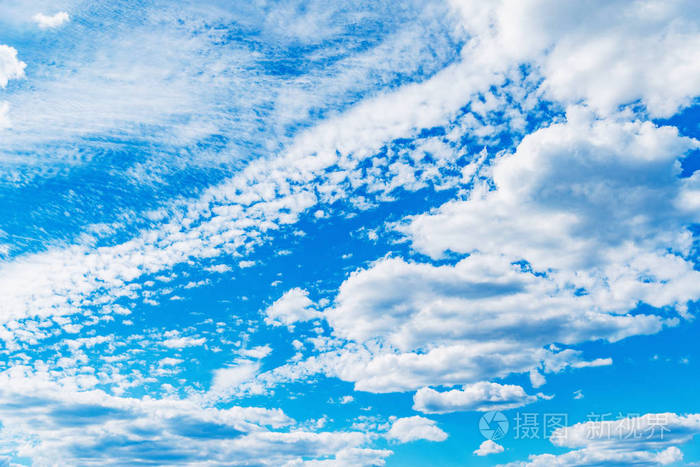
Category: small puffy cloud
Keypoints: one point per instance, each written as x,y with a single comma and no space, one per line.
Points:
10,66
50,22
415,428
258,352
182,342
169,361
593,363
480,396
537,379
488,447
292,307
220,268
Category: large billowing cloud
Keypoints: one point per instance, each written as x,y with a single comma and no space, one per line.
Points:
606,53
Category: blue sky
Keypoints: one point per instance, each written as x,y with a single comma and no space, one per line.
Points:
312,233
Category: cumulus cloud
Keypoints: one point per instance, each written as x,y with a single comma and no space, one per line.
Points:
51,21
483,317
415,428
10,66
551,205
482,396
294,306
606,53
488,447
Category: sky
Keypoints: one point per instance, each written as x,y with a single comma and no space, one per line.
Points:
311,233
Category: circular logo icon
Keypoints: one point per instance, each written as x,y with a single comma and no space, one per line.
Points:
493,425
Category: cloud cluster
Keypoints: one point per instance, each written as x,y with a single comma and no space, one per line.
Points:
57,422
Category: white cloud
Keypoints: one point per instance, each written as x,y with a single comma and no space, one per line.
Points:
170,361
218,268
415,428
294,306
605,53
488,447
60,423
10,66
230,217
182,342
258,352
50,22
551,260
551,207
537,379
593,363
480,396
551,202
481,318
228,381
